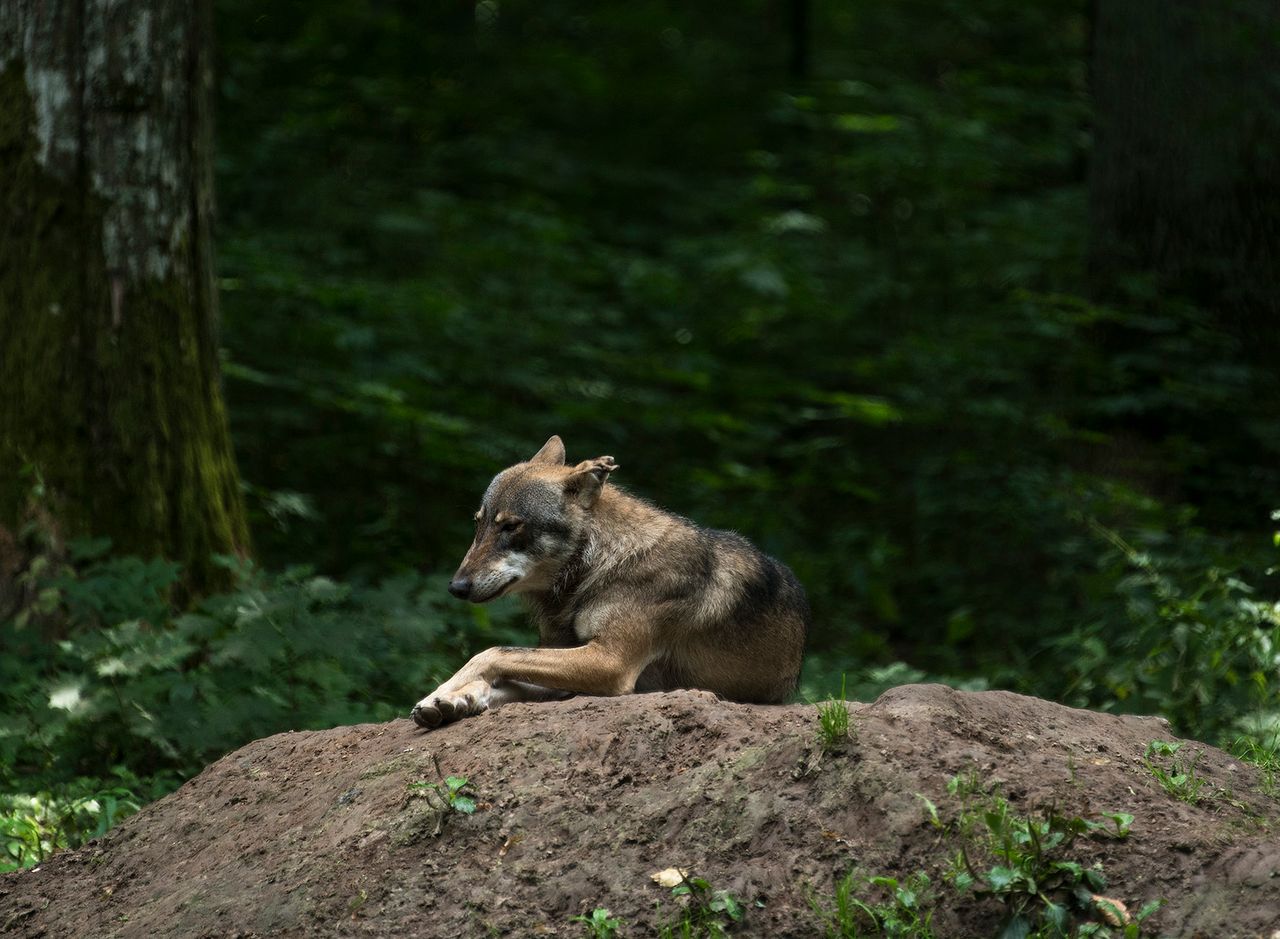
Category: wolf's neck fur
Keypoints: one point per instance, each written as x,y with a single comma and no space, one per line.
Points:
622,528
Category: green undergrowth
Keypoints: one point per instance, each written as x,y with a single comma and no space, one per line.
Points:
131,697
1264,753
35,825
700,911
878,906
1175,632
1033,871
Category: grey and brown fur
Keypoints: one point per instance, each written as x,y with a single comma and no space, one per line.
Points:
626,597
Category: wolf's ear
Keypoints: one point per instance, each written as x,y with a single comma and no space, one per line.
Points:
552,452
587,479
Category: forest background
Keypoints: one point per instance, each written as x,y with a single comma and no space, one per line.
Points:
965,309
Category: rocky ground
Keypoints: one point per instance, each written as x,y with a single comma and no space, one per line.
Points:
579,802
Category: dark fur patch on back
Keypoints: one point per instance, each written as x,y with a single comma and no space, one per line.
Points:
696,570
759,592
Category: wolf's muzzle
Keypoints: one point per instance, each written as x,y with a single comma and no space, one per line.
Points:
460,587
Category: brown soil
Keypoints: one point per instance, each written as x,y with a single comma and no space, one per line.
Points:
317,833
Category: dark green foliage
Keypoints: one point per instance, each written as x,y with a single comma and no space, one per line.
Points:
1031,865
35,825
1174,630
136,699
845,318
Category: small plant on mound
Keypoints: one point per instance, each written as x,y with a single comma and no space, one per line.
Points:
599,925
903,912
1179,778
1264,754
448,791
705,913
446,797
833,722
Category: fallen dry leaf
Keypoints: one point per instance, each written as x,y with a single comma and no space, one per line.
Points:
671,877
1113,911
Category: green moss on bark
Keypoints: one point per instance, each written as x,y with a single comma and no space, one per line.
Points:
110,387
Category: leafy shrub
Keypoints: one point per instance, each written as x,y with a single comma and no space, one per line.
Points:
1028,863
35,825
1179,635
165,694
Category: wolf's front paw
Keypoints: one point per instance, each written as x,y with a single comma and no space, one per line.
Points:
426,715
445,707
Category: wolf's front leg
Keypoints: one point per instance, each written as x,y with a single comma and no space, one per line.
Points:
602,666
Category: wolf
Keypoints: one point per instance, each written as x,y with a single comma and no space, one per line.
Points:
626,597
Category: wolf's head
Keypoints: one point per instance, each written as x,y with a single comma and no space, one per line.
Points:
533,517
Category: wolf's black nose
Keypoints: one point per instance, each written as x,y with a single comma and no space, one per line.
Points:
460,587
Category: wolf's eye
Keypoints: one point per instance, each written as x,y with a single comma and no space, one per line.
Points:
510,525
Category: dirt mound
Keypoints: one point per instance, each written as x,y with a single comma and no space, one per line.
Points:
579,802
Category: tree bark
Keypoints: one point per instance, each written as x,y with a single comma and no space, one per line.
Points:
108,320
1185,175
798,53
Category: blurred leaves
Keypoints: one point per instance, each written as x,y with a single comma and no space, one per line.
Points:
166,695
846,317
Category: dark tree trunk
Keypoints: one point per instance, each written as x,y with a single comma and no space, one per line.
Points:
108,348
798,26
1185,177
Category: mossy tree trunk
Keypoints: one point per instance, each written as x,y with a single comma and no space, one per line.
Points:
1185,175
109,378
